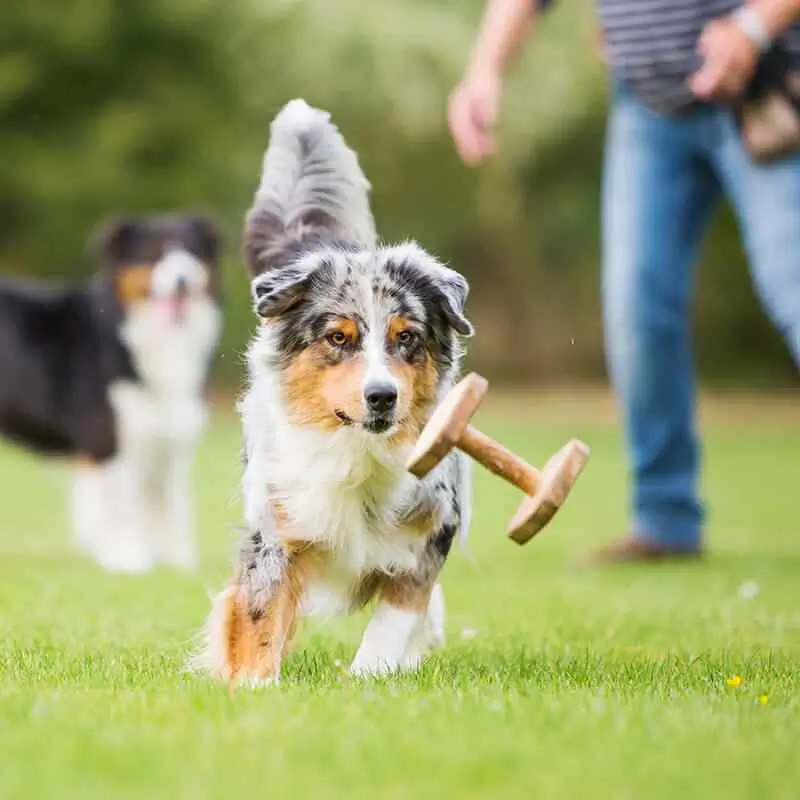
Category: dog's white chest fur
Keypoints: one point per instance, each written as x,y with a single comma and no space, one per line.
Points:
343,491
172,361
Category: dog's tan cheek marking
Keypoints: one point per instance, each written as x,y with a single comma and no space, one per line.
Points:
343,387
302,381
315,389
133,283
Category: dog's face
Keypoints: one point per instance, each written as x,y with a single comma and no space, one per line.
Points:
364,339
162,261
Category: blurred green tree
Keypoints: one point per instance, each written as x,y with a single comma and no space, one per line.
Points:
109,106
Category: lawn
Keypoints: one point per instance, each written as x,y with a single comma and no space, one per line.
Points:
556,681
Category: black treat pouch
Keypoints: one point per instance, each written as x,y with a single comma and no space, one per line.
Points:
768,114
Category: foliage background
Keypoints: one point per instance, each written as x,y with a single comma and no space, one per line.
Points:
112,106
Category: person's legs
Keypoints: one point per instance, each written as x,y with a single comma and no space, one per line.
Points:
657,195
766,201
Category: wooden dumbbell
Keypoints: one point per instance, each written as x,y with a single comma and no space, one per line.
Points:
545,491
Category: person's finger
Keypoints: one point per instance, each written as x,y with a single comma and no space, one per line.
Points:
485,111
465,133
459,119
706,41
708,79
483,117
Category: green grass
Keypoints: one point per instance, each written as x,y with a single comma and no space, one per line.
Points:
573,683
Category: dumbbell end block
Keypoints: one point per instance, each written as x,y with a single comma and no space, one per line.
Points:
445,426
557,479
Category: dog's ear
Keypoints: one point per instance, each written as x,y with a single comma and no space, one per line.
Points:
279,289
454,289
445,288
206,236
115,239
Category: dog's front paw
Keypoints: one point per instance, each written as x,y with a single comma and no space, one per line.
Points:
126,557
372,665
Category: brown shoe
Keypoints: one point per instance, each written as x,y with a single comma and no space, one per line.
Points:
632,550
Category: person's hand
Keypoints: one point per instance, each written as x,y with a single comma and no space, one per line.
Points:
472,111
729,60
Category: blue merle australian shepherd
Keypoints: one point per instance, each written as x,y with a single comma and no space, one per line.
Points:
357,343
110,375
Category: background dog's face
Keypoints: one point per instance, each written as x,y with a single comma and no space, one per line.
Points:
166,261
364,339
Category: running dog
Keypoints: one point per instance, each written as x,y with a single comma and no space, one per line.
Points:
357,343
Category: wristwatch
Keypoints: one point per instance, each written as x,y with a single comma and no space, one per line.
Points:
753,27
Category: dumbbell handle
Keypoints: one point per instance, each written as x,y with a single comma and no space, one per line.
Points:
497,459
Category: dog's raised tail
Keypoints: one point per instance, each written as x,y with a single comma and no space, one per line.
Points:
311,184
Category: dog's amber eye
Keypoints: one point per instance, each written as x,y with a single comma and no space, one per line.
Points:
337,338
406,337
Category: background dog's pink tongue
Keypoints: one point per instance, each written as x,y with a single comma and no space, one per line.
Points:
172,308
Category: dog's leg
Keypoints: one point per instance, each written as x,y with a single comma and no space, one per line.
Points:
88,505
409,619
177,534
430,634
398,620
127,544
251,622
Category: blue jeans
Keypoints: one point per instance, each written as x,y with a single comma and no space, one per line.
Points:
662,178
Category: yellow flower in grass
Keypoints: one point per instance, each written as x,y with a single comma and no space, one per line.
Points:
734,680
763,699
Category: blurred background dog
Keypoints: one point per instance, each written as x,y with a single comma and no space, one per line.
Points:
111,374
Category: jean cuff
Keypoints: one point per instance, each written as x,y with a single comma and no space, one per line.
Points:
673,535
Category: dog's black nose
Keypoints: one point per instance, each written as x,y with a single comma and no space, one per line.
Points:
381,397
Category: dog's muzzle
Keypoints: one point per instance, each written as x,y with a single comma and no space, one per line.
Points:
380,401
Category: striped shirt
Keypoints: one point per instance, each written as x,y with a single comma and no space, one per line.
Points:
651,45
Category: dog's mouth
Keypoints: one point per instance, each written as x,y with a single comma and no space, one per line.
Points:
343,418
377,424
175,303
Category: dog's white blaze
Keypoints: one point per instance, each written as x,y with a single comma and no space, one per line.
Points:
178,264
375,357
